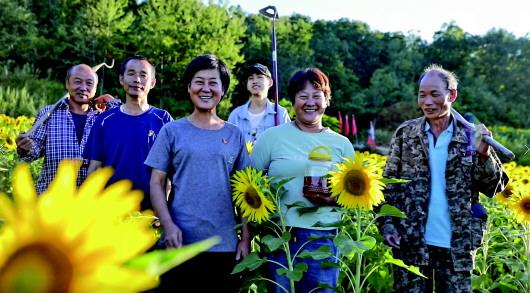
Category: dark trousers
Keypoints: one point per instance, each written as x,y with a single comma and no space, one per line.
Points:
207,272
440,273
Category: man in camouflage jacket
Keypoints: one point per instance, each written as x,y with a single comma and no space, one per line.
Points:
466,174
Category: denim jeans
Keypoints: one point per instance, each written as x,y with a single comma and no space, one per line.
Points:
314,275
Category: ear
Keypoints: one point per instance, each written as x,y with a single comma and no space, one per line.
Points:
271,82
121,80
452,95
66,85
153,82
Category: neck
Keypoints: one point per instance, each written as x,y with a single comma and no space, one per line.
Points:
135,106
205,120
257,104
314,128
439,125
78,108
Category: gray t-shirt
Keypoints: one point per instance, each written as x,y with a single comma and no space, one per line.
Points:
200,163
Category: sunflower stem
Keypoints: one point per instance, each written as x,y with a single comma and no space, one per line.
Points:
359,255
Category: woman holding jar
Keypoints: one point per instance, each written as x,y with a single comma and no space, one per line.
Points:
284,152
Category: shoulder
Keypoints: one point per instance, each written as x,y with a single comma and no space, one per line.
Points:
410,125
238,110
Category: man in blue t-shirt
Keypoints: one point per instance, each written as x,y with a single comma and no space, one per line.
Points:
122,137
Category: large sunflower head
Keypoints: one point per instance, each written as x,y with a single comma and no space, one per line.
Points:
357,183
521,206
505,196
248,193
69,239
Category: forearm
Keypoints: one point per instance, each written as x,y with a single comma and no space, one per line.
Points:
159,202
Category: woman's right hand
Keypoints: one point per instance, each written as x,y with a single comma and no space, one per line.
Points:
172,236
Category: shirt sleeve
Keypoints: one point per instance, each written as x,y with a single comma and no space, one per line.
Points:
39,139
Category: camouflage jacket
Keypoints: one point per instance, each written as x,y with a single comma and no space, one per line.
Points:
466,176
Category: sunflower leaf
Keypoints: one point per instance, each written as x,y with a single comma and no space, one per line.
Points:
306,210
296,274
329,264
400,263
322,252
393,180
298,204
158,262
327,225
345,245
272,243
286,236
390,211
250,262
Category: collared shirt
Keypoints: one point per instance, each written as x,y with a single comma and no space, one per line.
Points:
438,228
240,118
56,140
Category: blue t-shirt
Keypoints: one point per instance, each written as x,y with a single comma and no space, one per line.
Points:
123,142
200,163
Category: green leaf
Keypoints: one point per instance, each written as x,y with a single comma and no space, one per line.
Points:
296,274
250,262
390,211
286,236
272,243
160,261
400,263
306,210
329,264
322,252
297,204
393,180
328,225
345,245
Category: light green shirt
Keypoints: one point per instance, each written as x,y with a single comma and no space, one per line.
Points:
283,151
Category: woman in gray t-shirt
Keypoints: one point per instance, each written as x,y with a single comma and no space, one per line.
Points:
199,153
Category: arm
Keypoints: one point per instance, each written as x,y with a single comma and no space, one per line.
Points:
489,177
31,147
173,234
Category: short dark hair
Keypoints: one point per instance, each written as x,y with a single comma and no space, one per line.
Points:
450,79
205,62
259,69
314,76
123,66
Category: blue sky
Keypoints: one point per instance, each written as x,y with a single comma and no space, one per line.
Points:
421,17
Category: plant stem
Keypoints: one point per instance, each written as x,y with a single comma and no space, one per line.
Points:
359,255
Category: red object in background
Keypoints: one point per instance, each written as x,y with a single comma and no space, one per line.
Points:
353,125
101,102
340,121
346,125
371,136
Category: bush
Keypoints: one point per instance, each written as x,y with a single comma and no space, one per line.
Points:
515,139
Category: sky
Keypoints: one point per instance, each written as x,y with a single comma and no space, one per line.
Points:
421,17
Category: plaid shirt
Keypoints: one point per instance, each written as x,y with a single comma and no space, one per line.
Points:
56,140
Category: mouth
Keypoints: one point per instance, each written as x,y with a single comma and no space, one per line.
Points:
205,98
136,88
429,110
310,110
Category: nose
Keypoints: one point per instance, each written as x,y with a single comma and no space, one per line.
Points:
428,100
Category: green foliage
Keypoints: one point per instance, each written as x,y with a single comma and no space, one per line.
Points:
18,102
517,140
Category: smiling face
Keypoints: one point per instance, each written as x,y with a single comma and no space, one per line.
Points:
206,89
309,105
434,98
137,79
258,85
81,84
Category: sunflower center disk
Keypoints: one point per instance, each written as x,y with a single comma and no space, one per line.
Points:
356,182
38,267
252,198
526,206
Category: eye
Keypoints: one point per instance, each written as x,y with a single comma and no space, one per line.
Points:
303,97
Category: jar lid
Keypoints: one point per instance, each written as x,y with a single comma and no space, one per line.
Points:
320,153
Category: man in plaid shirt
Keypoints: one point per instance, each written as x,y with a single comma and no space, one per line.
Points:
65,132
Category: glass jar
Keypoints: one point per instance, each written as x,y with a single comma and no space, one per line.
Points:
316,176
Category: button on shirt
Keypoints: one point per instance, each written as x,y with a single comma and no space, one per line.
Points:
438,228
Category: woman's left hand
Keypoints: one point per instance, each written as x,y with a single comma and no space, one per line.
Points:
243,249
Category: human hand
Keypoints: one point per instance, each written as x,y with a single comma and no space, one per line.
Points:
243,249
393,239
24,144
483,148
172,236
100,102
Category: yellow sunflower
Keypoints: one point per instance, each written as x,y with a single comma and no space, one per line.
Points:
357,183
69,239
10,143
248,195
249,146
521,206
505,196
